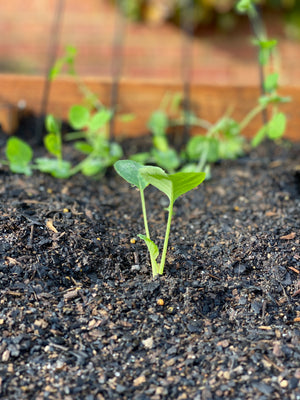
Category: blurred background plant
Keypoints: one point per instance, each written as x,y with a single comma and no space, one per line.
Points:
220,13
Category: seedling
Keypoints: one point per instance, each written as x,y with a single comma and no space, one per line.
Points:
57,167
161,153
172,185
275,127
93,128
19,156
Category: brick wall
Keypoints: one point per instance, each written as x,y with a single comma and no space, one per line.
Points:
150,52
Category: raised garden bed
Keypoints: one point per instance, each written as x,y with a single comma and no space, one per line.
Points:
81,316
141,97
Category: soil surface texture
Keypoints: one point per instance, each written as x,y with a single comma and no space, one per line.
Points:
82,318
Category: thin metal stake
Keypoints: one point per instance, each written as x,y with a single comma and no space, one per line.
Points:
187,29
53,47
258,30
116,65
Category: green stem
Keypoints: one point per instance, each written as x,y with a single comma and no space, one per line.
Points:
165,248
256,110
145,214
153,262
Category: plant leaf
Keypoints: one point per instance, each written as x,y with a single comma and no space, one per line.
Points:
154,252
173,185
202,145
167,159
99,119
271,82
79,116
158,123
260,135
245,5
53,144
57,168
130,171
19,155
52,124
276,126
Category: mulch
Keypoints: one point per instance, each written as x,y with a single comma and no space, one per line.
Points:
82,318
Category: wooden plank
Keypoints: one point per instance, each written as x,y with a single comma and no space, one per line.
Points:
143,97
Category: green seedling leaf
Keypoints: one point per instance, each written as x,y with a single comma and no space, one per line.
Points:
99,119
273,99
158,123
245,6
203,146
19,155
53,144
67,59
92,166
173,185
126,117
52,124
79,116
83,147
276,126
141,158
231,147
130,171
153,250
115,153
167,159
259,137
271,82
160,143
267,44
57,168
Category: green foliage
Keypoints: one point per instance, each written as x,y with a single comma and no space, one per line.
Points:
57,167
130,171
19,155
67,60
100,152
245,6
172,185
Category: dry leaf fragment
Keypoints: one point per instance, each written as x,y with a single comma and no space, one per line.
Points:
294,269
50,226
265,328
71,294
148,343
139,380
5,355
223,343
271,214
41,323
290,236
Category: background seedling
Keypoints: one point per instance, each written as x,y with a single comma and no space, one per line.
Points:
93,128
19,155
57,167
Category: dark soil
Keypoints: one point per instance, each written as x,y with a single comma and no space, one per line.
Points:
82,318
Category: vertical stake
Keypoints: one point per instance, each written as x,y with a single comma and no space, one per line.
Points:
53,47
258,31
116,64
187,29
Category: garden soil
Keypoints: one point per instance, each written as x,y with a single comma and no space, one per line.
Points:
82,318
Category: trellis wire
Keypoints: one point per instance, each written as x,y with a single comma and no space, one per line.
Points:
116,63
187,29
52,54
